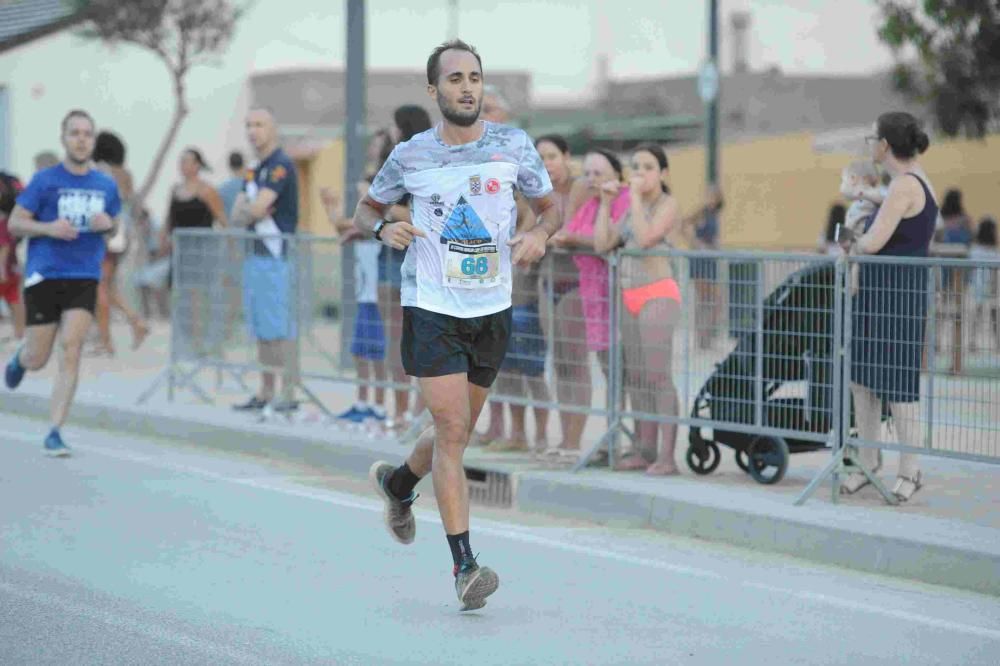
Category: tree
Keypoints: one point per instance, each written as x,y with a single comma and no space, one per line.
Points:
957,65
182,33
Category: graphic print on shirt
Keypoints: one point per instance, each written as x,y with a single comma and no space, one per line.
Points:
80,206
473,258
462,198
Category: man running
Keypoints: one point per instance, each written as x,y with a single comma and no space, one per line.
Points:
64,211
456,286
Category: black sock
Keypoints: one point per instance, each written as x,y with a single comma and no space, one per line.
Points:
460,548
401,482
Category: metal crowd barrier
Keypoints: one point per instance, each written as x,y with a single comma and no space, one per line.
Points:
753,352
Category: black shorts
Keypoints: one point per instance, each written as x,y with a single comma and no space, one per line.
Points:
46,301
434,345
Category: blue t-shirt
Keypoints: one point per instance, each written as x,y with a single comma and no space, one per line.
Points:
277,173
54,194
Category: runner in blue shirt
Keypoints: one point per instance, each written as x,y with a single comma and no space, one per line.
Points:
65,212
461,245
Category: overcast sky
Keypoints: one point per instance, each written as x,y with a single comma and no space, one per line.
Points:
557,40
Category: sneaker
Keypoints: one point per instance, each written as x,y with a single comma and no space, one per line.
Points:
14,372
353,415
54,445
285,407
254,404
474,583
398,516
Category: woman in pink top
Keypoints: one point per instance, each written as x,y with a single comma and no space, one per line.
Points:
599,167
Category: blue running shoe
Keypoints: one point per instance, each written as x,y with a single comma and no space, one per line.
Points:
14,372
353,415
54,445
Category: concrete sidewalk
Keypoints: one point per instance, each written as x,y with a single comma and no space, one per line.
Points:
949,534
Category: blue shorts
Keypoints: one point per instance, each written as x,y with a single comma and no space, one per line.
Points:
266,298
390,265
369,336
526,353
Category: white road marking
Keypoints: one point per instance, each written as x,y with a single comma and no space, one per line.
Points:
522,534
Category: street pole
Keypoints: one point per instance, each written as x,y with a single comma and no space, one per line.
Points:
712,104
355,125
355,137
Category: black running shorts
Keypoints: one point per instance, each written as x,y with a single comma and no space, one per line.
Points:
435,345
46,301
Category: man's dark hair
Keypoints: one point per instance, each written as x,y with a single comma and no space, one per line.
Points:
434,62
109,149
235,160
76,113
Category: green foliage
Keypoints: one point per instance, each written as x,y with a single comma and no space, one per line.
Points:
948,56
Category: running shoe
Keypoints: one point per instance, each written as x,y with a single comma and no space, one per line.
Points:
14,372
285,406
474,583
54,445
398,515
353,415
254,404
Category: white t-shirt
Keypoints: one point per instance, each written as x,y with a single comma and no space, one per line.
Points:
463,199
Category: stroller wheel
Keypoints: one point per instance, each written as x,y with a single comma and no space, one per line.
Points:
706,460
742,461
768,458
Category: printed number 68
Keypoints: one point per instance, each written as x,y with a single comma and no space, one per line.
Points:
475,266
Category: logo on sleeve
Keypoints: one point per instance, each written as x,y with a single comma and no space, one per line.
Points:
475,185
492,186
278,174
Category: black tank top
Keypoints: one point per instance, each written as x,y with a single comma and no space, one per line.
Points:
190,214
912,237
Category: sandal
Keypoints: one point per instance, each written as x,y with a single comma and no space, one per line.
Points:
853,482
906,486
632,462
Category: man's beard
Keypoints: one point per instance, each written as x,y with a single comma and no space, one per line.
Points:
457,117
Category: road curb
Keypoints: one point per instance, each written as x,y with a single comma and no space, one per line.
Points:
921,548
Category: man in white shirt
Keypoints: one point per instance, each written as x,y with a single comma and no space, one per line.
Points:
456,291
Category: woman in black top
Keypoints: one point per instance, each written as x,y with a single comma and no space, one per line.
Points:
890,308
195,204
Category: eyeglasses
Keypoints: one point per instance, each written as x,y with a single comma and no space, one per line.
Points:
871,138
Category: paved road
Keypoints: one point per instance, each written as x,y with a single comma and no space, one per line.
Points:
148,552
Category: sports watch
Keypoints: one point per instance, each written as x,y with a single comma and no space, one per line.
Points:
379,226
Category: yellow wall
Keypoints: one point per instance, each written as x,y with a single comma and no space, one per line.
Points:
778,190
324,169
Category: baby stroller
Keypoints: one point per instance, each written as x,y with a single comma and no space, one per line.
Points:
797,347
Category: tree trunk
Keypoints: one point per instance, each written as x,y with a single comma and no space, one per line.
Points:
180,113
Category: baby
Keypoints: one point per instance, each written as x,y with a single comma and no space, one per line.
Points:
859,182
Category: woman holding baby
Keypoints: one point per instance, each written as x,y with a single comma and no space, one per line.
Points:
890,307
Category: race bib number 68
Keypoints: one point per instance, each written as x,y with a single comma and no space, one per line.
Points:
472,266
